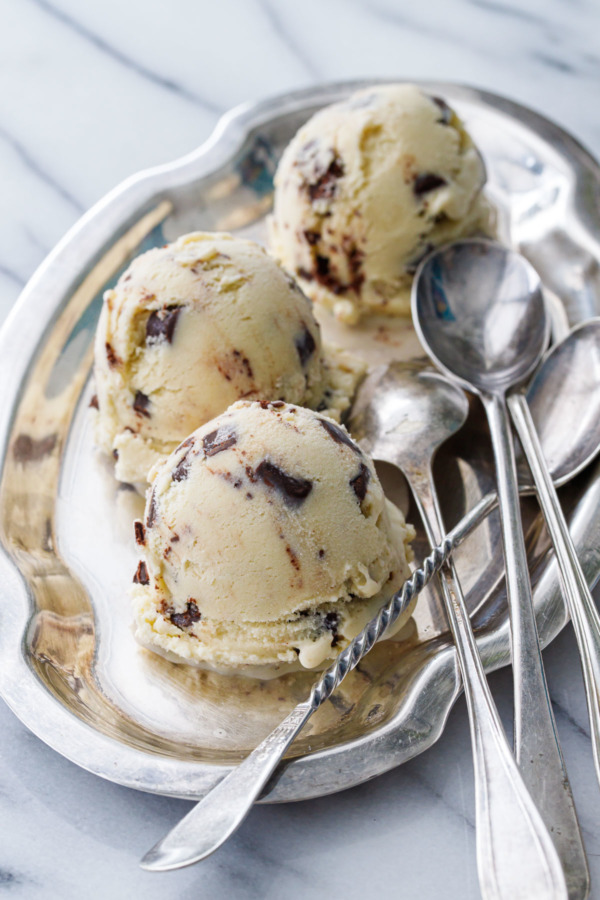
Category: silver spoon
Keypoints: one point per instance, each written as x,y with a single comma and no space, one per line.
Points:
403,417
479,311
572,371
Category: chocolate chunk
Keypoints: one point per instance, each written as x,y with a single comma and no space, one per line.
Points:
321,553
161,324
325,275
220,439
26,449
141,575
331,621
276,404
141,404
324,187
245,363
175,538
293,558
359,482
113,359
140,532
182,469
426,182
305,345
152,511
311,237
294,490
339,435
446,116
188,617
115,454
94,402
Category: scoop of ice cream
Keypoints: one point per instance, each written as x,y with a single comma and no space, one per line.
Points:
267,542
194,326
366,188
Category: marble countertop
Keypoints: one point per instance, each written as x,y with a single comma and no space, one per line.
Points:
90,93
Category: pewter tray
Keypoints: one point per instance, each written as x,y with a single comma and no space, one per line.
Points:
69,667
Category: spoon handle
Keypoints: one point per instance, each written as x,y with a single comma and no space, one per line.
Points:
516,859
585,617
536,741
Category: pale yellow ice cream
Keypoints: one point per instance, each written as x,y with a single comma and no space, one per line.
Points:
365,189
267,543
194,326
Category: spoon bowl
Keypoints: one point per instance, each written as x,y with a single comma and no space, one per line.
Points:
564,402
404,411
485,348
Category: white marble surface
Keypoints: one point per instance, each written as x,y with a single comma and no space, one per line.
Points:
90,93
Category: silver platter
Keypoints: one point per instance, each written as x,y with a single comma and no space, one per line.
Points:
69,667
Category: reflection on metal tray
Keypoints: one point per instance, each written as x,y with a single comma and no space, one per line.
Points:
69,667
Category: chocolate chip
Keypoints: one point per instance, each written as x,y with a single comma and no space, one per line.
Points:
426,182
111,356
220,439
305,345
311,237
321,553
182,469
188,617
331,621
245,363
445,109
94,402
140,532
141,404
26,449
324,187
175,538
141,575
115,454
161,324
324,274
152,511
339,435
293,558
277,404
295,490
359,482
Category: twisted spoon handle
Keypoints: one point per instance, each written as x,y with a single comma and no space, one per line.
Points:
222,811
585,617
